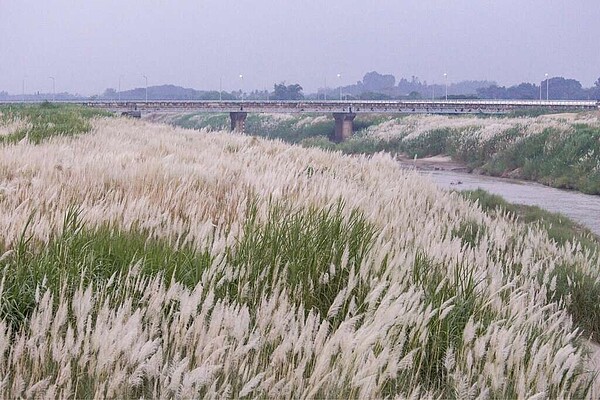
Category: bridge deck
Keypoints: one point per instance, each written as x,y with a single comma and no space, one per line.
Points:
354,106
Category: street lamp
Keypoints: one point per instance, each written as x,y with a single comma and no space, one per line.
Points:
146,78
119,94
53,88
220,88
547,81
24,89
242,84
446,81
340,78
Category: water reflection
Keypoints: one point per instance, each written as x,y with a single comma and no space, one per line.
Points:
580,207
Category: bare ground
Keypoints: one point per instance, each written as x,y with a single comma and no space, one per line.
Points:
435,163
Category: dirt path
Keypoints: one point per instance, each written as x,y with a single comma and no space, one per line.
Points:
435,163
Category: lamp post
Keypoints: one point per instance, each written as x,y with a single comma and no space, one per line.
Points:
547,81
340,78
23,91
325,90
53,88
119,94
242,84
146,78
220,88
446,82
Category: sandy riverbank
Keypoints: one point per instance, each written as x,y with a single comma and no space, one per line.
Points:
435,163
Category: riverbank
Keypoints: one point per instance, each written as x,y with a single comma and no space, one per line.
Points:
434,163
557,150
564,231
561,150
326,275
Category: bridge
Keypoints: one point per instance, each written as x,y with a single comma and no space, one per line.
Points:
343,112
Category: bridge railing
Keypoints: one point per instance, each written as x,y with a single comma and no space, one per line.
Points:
329,105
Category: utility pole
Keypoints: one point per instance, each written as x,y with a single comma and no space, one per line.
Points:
446,80
146,78
53,89
119,94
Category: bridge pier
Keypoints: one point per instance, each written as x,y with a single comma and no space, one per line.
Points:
344,126
238,121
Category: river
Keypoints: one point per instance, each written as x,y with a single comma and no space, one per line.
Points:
582,208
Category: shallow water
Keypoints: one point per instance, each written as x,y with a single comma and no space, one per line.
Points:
582,208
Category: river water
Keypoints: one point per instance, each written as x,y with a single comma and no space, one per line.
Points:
582,208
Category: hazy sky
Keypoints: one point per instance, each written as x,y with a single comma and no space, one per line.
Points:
87,44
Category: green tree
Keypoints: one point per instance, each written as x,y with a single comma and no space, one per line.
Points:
289,92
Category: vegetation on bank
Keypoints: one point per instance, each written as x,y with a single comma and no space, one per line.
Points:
42,121
557,226
556,151
217,265
295,129
562,151
571,283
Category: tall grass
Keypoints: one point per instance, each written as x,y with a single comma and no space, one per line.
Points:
289,128
39,122
558,150
194,264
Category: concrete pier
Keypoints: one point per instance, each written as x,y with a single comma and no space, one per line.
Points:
344,126
238,121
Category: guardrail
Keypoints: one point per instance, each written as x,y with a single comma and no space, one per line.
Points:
351,106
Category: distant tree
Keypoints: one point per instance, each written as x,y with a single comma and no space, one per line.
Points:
373,96
414,95
109,93
414,85
281,91
523,91
374,81
492,92
594,92
560,88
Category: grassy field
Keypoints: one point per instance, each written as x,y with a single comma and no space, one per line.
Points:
142,260
561,150
557,150
584,304
295,129
36,123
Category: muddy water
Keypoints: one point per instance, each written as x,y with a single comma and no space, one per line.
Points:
582,208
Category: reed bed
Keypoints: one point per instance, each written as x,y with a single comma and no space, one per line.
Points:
314,275
11,127
483,129
561,150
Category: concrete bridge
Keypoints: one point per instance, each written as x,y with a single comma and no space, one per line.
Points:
343,112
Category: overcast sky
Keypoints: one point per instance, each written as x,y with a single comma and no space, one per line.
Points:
88,44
